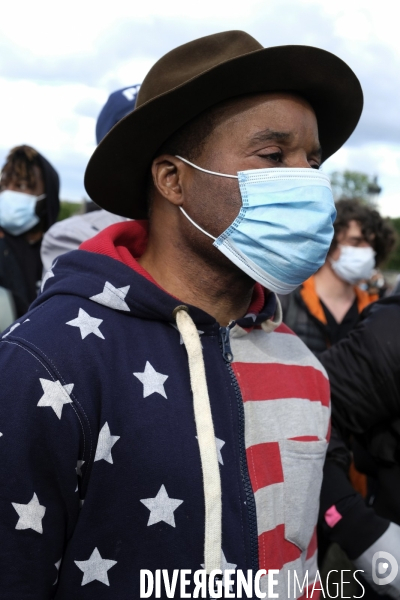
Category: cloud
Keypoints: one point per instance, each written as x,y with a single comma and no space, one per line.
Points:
56,79
89,107
45,117
123,53
72,168
123,42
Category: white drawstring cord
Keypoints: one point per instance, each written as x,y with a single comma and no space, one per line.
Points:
206,440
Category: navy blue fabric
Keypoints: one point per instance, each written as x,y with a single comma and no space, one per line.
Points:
157,442
118,105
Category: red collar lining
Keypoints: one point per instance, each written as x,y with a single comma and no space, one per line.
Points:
127,241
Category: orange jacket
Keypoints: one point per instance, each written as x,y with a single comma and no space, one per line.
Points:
313,303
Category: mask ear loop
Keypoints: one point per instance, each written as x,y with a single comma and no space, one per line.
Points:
211,173
197,226
205,170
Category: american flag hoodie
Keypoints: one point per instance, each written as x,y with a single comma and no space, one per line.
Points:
100,467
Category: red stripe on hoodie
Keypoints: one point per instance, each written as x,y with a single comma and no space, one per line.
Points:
265,466
269,381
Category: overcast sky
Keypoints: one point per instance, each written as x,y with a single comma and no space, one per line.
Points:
59,61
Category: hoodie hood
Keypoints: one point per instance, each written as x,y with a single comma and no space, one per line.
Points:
106,267
48,208
112,395
106,271
51,189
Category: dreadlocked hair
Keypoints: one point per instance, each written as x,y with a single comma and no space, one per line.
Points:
19,166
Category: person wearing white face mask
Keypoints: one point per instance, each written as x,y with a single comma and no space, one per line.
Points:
29,205
323,311
327,306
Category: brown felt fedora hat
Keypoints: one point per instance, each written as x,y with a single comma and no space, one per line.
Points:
198,75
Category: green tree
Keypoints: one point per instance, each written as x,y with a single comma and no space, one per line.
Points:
393,263
353,184
68,209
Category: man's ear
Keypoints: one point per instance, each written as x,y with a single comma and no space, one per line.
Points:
168,174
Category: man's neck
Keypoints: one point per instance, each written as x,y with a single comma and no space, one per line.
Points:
336,294
222,293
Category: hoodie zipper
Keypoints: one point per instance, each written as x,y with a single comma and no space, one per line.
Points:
250,501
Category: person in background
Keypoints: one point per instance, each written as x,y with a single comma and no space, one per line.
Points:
321,312
29,205
327,306
364,373
68,234
119,104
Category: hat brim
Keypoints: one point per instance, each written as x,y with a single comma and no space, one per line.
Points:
117,173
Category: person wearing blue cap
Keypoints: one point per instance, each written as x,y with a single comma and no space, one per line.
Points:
118,105
68,234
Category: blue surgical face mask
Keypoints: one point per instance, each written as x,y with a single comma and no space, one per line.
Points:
17,211
284,229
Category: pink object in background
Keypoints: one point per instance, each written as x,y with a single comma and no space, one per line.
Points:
332,516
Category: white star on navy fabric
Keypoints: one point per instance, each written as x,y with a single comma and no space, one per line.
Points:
12,328
153,382
95,568
55,395
57,566
48,276
180,335
225,566
219,444
161,507
87,324
112,297
30,515
105,443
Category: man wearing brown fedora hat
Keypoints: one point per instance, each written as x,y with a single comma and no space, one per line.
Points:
156,414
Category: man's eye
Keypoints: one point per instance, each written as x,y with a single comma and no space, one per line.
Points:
274,157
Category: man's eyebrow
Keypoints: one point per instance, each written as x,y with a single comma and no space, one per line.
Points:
268,134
